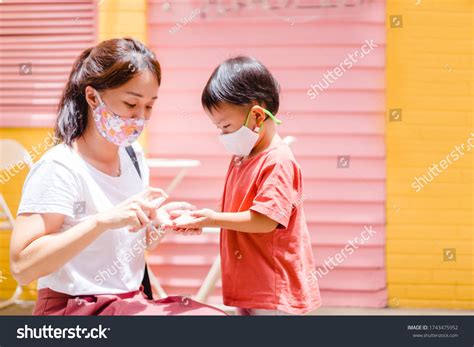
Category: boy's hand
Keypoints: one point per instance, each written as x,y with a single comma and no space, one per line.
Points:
165,216
168,213
194,219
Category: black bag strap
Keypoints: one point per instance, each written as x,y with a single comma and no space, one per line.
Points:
146,278
133,156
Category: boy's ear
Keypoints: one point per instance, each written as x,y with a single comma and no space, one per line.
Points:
260,116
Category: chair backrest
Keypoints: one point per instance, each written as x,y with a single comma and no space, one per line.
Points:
12,152
289,140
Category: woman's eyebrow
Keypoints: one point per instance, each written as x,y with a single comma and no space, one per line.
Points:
141,96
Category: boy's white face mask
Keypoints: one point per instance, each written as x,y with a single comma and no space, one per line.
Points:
242,141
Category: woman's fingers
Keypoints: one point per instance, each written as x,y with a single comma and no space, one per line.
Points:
179,205
146,210
149,194
155,193
149,208
143,219
164,219
156,203
133,222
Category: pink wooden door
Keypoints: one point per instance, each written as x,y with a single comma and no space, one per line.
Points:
346,119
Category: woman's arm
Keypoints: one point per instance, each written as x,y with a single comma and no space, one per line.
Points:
37,247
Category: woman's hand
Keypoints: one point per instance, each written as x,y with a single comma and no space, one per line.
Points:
195,220
135,212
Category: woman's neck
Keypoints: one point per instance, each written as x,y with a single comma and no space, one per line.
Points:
98,152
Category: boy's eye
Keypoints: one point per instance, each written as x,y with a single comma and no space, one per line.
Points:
129,105
226,126
149,107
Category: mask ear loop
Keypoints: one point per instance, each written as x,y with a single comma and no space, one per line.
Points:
268,113
275,119
102,102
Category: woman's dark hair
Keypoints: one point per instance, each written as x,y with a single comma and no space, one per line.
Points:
110,64
240,81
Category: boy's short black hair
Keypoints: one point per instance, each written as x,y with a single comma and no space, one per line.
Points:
240,81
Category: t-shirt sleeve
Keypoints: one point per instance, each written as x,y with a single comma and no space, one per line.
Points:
50,187
277,191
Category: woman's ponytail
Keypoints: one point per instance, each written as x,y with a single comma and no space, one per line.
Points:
72,110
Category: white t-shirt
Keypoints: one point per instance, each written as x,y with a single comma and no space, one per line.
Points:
62,182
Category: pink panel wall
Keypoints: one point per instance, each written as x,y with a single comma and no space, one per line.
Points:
38,45
298,46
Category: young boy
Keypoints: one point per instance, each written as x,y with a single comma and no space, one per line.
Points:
265,246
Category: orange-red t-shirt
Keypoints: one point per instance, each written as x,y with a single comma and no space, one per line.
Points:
268,270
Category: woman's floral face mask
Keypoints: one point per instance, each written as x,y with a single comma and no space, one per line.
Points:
114,128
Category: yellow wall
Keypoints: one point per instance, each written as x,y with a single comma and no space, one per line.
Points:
118,18
124,18
11,191
429,77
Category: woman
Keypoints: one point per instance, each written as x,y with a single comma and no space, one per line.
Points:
87,213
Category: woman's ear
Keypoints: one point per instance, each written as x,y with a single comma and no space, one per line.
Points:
91,97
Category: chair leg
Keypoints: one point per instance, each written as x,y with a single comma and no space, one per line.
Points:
13,298
156,285
7,211
210,281
16,295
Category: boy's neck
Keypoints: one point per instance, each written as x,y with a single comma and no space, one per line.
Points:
268,137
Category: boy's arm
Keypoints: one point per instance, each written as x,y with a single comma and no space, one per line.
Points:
276,197
246,221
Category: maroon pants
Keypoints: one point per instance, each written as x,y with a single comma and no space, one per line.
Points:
50,302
